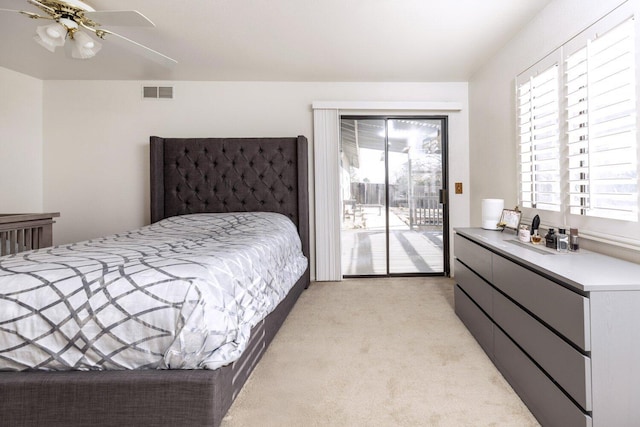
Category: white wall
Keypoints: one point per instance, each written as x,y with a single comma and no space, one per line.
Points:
20,143
96,140
492,138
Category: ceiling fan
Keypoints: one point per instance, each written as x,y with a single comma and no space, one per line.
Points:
72,16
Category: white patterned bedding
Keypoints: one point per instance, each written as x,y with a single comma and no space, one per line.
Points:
182,293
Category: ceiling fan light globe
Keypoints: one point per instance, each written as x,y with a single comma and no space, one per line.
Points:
54,33
44,43
84,47
50,36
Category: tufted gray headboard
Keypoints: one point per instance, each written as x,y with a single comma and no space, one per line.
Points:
197,175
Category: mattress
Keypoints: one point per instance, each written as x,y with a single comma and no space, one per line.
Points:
182,293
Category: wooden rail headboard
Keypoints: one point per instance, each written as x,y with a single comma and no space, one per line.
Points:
23,232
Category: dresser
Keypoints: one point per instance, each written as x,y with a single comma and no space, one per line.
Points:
562,328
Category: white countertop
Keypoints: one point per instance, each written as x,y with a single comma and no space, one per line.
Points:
584,270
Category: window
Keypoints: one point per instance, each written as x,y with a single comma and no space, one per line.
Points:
577,138
538,107
601,126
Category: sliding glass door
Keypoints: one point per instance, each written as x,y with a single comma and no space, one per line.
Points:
392,188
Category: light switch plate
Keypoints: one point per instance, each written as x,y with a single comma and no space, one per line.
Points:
458,188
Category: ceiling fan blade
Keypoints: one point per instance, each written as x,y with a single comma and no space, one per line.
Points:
27,14
141,49
17,11
119,18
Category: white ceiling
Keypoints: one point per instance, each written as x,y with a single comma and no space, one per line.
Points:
283,40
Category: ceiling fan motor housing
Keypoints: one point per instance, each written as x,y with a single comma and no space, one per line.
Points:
69,13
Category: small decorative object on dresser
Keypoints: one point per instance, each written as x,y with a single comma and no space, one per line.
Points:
491,211
535,224
524,235
23,232
510,219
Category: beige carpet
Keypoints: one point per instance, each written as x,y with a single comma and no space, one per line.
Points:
376,352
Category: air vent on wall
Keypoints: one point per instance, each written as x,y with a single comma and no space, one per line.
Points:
157,92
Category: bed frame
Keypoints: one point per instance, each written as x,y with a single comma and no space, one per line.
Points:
187,176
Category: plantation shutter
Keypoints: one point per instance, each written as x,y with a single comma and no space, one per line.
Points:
601,126
539,145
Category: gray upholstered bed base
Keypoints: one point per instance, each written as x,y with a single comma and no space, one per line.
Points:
267,174
135,398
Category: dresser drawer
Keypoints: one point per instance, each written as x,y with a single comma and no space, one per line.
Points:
567,366
565,311
474,256
480,326
479,290
545,400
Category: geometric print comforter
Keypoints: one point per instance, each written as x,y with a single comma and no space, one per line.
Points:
182,293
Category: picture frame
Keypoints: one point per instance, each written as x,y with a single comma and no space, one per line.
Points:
510,219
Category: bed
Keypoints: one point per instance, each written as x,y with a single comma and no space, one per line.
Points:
188,176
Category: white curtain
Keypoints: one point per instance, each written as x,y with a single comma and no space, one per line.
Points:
326,137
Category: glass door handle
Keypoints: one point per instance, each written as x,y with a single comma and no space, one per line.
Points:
443,196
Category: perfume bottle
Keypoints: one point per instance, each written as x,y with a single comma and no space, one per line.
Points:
536,239
550,239
562,240
573,240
